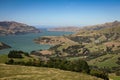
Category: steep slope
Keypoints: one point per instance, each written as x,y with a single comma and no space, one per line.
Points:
11,27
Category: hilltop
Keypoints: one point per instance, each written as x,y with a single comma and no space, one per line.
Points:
11,27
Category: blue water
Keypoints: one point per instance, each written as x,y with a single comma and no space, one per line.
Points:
25,42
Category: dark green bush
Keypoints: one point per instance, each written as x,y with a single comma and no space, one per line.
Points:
99,73
11,61
15,54
117,73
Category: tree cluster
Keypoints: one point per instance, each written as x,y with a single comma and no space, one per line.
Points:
76,50
60,63
57,62
17,54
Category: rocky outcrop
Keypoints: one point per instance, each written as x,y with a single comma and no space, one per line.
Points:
4,46
11,27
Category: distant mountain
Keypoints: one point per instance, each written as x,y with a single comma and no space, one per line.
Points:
66,29
4,46
11,27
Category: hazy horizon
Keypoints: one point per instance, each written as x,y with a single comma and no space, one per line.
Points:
60,12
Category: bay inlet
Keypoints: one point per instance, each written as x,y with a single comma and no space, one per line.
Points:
25,42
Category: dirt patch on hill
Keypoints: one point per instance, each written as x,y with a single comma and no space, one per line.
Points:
46,52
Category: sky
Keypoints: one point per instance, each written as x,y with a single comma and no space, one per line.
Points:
60,12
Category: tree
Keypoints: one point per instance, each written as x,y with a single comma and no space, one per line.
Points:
80,66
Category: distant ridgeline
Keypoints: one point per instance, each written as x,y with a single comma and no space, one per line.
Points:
93,27
65,29
11,27
103,26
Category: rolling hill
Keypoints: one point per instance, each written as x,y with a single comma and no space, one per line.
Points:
108,61
100,41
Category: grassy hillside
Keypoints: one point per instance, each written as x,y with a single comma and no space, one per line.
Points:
15,72
3,58
114,77
104,38
108,60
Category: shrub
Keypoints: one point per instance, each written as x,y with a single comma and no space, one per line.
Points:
11,61
76,65
99,73
117,73
79,66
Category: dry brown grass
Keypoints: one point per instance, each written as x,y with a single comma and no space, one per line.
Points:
16,72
